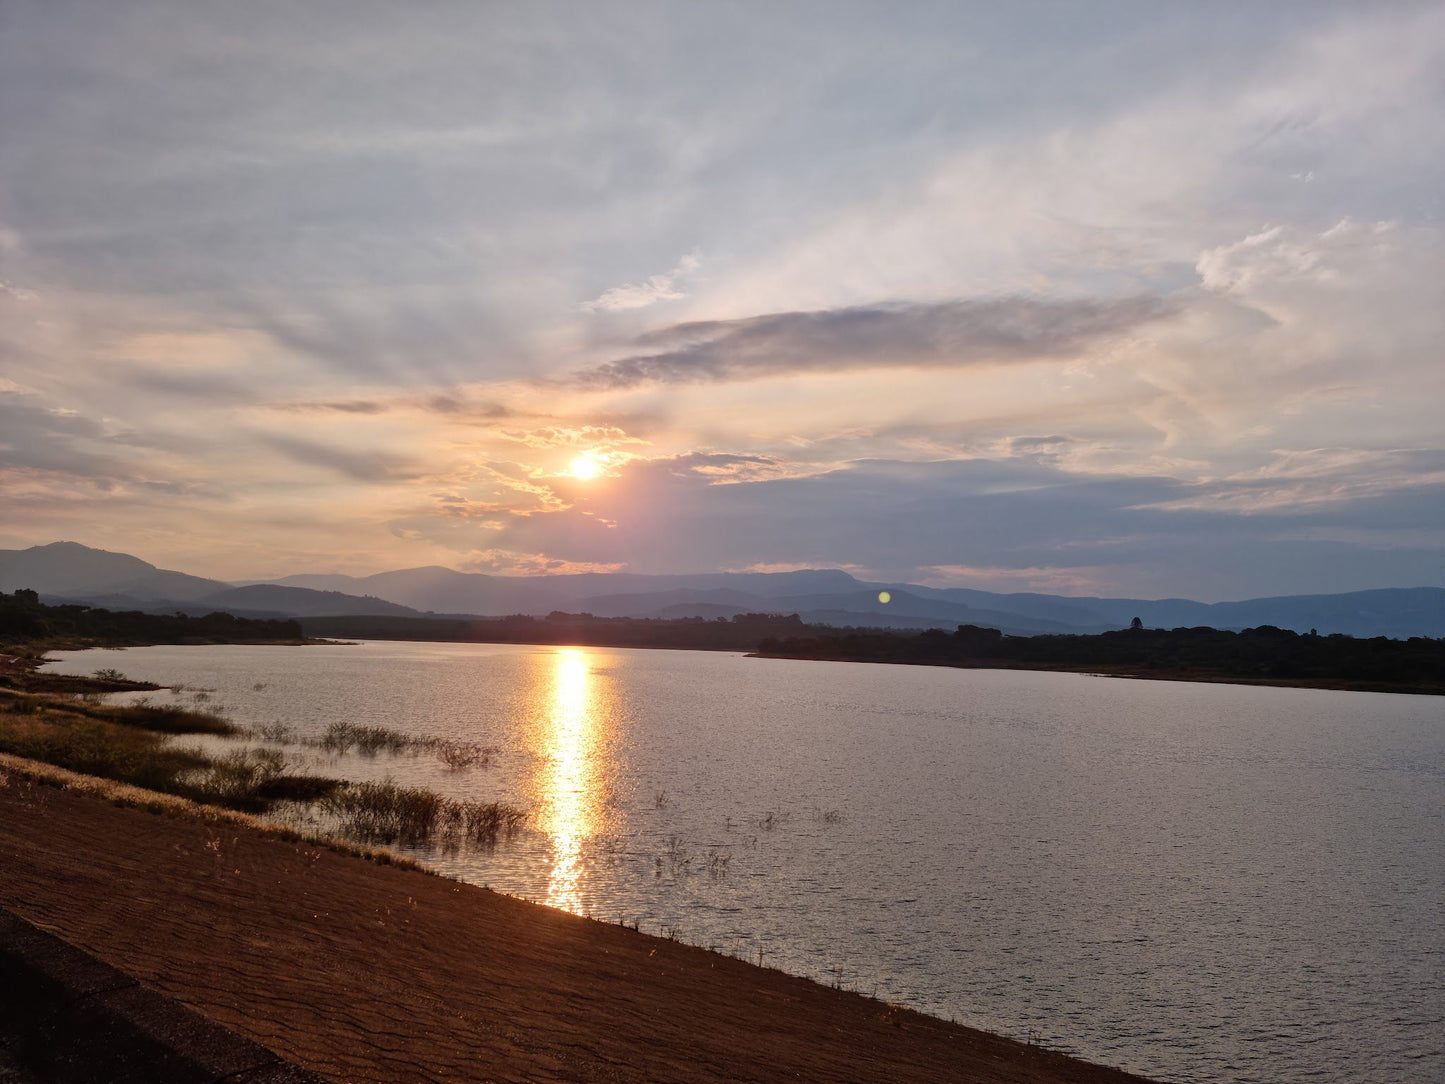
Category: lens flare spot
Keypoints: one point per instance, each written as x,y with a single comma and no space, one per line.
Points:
884,597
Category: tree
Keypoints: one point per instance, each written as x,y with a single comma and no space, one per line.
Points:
1136,624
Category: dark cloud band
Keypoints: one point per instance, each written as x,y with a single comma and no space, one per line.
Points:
925,335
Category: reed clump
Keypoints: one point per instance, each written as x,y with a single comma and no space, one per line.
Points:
386,812
389,813
486,822
163,718
459,755
132,744
341,738
369,741
252,780
276,732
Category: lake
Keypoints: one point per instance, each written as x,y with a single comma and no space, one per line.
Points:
1195,882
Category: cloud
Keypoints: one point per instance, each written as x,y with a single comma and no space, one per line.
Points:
1297,481
639,295
454,407
39,437
358,466
572,436
532,564
338,406
727,468
921,335
997,519
316,233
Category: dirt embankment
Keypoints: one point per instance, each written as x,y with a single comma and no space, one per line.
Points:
365,972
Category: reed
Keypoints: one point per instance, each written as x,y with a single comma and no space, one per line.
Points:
341,738
390,813
275,732
460,755
161,718
486,822
94,747
387,813
129,744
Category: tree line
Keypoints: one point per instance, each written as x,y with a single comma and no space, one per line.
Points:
1266,653
25,619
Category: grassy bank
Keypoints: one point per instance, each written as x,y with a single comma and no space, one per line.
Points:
62,721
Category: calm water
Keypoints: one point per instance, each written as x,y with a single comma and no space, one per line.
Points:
1194,882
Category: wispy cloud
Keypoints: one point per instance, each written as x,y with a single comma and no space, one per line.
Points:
931,335
336,406
571,436
654,288
356,465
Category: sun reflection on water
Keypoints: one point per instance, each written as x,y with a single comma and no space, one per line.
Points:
572,797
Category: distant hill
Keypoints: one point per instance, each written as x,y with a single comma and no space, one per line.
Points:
818,596
1398,612
70,570
271,599
444,590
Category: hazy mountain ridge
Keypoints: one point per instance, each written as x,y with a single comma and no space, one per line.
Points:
270,598
67,570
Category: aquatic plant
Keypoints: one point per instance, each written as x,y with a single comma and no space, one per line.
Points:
234,779
386,812
252,780
717,864
341,738
276,732
165,719
458,755
486,822
128,743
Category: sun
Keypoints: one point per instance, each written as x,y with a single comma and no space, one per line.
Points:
585,467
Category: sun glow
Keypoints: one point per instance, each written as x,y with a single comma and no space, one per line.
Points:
585,467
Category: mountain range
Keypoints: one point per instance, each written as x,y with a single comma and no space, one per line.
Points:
70,572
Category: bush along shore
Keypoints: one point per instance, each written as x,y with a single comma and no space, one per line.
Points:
62,720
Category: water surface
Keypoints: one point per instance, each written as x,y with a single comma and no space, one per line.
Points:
1195,882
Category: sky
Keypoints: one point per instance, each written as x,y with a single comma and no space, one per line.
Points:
1085,298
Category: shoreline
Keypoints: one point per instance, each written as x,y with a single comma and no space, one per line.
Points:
365,971
1129,673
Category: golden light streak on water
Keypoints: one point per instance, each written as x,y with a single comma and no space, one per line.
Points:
571,797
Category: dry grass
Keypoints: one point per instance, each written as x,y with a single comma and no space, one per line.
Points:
171,805
414,816
130,745
144,715
460,755
369,741
341,738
